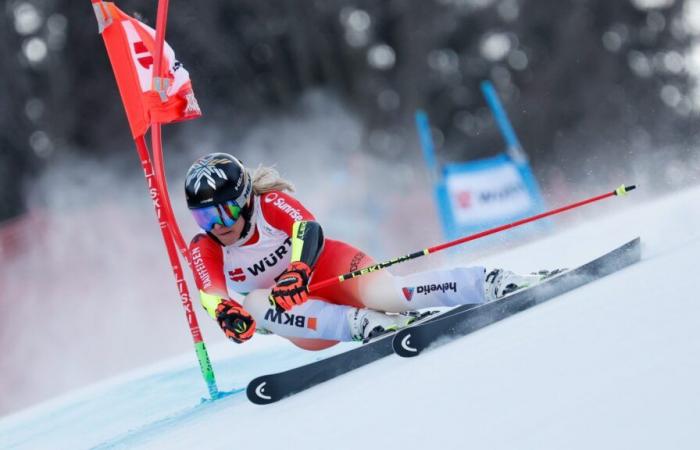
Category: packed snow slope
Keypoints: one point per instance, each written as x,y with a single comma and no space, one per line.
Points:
614,364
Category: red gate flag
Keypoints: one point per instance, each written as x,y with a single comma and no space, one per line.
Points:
131,46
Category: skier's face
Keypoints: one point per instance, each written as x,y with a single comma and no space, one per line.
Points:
229,235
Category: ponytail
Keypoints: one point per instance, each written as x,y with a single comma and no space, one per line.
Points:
267,179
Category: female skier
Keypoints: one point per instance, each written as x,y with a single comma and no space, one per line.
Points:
261,248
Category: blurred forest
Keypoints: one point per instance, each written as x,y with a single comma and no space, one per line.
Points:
582,80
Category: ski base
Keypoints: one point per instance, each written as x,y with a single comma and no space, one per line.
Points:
466,319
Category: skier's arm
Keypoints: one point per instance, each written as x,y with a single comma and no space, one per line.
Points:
292,286
307,242
207,265
207,262
286,213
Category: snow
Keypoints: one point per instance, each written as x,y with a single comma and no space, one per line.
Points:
613,364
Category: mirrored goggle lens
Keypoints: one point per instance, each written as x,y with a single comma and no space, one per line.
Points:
224,214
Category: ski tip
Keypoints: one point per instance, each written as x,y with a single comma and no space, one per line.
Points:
403,346
622,190
259,393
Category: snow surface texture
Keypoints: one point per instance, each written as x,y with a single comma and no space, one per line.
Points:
614,364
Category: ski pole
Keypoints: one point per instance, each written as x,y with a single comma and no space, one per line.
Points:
622,190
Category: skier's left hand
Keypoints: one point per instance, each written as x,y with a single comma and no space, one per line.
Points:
291,288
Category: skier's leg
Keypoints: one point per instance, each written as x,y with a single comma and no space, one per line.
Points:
317,324
435,288
344,311
336,259
446,287
335,313
382,291
313,319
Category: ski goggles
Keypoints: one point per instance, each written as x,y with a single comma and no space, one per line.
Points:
225,214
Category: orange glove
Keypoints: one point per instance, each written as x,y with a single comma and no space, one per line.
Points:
237,324
292,286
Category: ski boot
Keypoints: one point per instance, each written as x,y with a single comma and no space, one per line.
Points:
499,282
367,324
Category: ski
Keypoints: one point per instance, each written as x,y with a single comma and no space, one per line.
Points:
270,388
273,387
462,320
466,319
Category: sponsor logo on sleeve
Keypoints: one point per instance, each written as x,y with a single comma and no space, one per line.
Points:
271,197
200,268
288,209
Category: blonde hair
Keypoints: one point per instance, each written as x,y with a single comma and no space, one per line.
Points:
267,179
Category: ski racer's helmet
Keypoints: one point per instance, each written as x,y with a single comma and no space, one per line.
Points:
218,189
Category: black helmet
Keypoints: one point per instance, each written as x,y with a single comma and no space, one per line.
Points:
217,178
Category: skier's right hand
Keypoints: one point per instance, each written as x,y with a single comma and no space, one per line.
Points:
291,288
237,324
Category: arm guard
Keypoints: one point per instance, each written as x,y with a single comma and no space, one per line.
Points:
307,242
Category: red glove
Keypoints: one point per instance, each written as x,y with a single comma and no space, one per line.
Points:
237,323
291,288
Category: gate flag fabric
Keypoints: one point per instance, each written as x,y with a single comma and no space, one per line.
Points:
131,46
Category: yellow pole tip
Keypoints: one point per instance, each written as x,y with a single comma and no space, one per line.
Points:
623,190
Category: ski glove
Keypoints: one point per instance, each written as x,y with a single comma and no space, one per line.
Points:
237,323
291,288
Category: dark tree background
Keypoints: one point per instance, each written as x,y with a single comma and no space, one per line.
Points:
586,82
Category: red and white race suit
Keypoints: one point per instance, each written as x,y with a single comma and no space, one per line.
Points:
253,263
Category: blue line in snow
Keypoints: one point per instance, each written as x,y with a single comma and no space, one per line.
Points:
145,431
